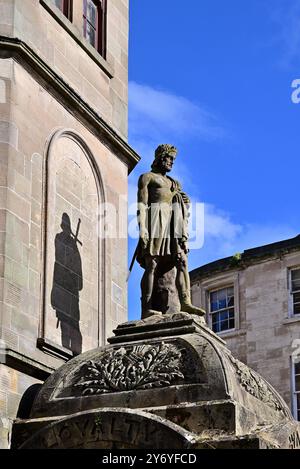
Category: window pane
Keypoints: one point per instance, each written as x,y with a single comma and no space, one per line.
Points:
222,294
230,301
231,324
296,297
222,304
224,325
296,274
214,301
221,321
297,368
295,285
297,308
298,401
214,297
64,6
231,313
224,316
92,13
215,318
59,4
222,299
297,383
299,415
295,280
91,35
216,327
216,322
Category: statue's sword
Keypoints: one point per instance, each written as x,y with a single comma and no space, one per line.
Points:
133,260
77,233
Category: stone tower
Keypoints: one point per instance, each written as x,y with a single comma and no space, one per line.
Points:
64,166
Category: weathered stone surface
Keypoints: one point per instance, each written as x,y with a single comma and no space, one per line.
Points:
107,428
267,333
172,368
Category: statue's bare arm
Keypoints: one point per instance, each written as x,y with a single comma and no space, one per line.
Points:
143,197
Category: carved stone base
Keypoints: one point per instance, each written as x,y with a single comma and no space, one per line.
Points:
166,382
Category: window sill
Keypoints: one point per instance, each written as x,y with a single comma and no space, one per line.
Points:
291,319
53,349
81,41
231,333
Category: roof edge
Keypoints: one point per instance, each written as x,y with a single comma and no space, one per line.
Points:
247,257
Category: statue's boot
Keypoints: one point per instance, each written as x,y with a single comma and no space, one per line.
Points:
147,310
150,312
187,307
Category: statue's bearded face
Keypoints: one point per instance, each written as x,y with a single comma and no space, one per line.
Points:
167,162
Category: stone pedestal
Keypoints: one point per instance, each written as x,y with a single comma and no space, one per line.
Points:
163,383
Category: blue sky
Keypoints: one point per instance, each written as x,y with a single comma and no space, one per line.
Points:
214,79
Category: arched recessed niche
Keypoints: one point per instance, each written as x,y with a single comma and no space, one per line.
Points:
73,253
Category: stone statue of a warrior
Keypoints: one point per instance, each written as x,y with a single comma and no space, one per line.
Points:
163,211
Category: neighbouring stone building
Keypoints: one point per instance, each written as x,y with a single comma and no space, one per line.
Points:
253,302
64,156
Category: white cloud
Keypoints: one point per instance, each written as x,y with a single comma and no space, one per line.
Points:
156,117
156,114
285,15
219,225
224,237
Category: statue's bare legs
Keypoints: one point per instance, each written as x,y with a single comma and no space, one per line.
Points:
184,287
182,284
147,285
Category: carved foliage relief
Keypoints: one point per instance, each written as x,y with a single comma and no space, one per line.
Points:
135,368
255,385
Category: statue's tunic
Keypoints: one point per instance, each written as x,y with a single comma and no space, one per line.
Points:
167,222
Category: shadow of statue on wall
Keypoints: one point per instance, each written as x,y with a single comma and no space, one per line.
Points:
67,283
